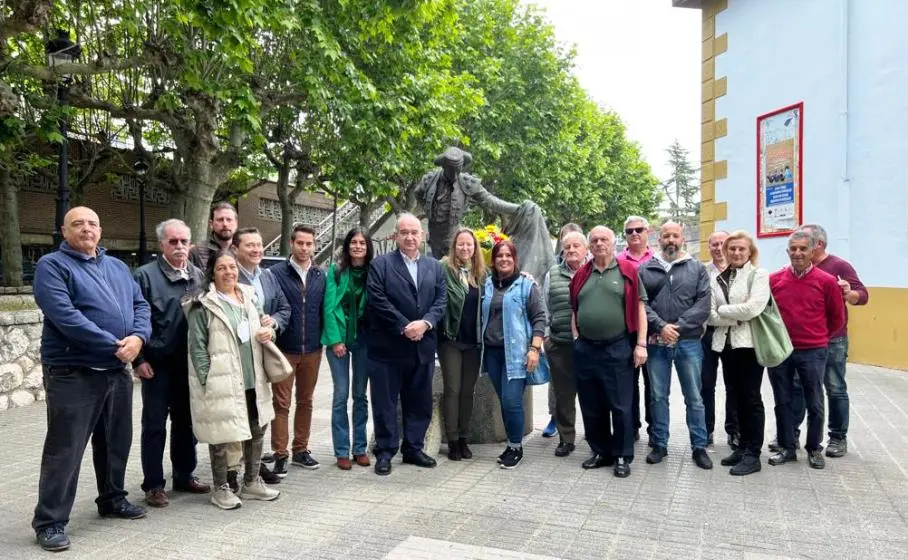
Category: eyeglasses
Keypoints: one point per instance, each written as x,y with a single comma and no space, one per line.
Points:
174,242
633,230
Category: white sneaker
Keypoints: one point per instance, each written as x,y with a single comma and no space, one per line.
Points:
257,490
224,498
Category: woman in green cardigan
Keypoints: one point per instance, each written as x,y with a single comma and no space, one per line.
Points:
459,348
343,334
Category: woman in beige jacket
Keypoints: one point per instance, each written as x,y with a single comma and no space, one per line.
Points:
739,294
229,392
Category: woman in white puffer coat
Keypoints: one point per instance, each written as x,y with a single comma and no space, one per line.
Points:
740,294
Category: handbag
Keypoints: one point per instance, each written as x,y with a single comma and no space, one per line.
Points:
276,366
772,345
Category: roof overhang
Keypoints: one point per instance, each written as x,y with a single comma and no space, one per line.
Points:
687,3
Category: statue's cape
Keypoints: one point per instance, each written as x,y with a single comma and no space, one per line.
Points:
528,231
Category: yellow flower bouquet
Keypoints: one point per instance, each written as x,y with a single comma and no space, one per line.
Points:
488,237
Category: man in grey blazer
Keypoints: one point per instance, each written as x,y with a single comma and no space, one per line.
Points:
247,244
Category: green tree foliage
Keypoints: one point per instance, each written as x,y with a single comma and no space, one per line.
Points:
682,189
350,96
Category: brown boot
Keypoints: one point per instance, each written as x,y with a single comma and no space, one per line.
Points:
464,449
157,497
362,460
344,464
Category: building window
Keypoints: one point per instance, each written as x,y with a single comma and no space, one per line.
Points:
270,210
125,189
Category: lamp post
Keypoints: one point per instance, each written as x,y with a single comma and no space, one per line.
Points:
140,168
62,50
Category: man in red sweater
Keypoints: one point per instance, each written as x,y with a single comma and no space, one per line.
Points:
811,305
854,293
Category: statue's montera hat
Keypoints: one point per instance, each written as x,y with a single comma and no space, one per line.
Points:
454,155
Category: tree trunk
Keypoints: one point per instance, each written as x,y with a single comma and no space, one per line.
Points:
285,199
10,241
193,204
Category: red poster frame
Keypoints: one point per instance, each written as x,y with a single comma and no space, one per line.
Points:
799,186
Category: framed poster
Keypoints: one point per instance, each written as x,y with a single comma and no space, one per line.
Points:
779,171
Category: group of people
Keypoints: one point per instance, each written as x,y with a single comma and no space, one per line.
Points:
198,326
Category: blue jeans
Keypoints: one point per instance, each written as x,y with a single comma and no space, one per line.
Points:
509,391
836,391
340,374
687,356
808,365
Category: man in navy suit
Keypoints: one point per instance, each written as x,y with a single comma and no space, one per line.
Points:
406,300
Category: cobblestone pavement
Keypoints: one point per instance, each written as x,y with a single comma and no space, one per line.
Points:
547,508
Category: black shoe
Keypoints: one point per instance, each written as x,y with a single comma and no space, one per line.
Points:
52,538
598,461
124,510
306,460
280,467
464,449
564,449
420,459
454,452
383,466
837,447
232,482
732,459
815,459
267,476
734,441
701,459
748,464
512,457
709,439
622,468
783,457
268,458
656,455
503,453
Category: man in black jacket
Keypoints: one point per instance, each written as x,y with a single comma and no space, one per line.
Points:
678,293
405,302
162,365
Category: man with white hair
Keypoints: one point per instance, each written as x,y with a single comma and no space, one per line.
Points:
637,252
559,341
166,283
609,327
811,305
406,299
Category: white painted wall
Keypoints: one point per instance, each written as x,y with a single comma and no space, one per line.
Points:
847,60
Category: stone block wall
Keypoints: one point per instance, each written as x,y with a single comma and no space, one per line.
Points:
21,379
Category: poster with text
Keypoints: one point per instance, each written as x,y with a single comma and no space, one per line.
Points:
779,167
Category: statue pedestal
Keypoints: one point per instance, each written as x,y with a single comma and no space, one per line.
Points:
486,425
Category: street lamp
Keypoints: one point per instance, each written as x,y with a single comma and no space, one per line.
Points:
140,168
62,51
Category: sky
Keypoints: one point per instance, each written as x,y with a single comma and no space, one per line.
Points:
641,59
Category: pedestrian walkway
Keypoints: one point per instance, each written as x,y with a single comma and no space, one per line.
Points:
547,508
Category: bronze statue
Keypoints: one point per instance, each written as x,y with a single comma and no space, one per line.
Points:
446,194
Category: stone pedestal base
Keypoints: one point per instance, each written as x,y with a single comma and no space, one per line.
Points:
486,425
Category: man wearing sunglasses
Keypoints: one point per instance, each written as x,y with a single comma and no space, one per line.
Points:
636,233
162,366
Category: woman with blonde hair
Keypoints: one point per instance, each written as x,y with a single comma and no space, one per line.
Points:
740,294
459,344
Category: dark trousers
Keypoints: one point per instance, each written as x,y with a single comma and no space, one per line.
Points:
564,385
809,366
836,391
460,370
605,385
647,398
167,393
741,363
708,376
412,384
83,403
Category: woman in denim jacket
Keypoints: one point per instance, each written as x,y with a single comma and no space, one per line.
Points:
513,325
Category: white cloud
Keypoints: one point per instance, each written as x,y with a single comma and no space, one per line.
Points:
640,58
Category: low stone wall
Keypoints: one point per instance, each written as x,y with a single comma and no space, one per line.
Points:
21,379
